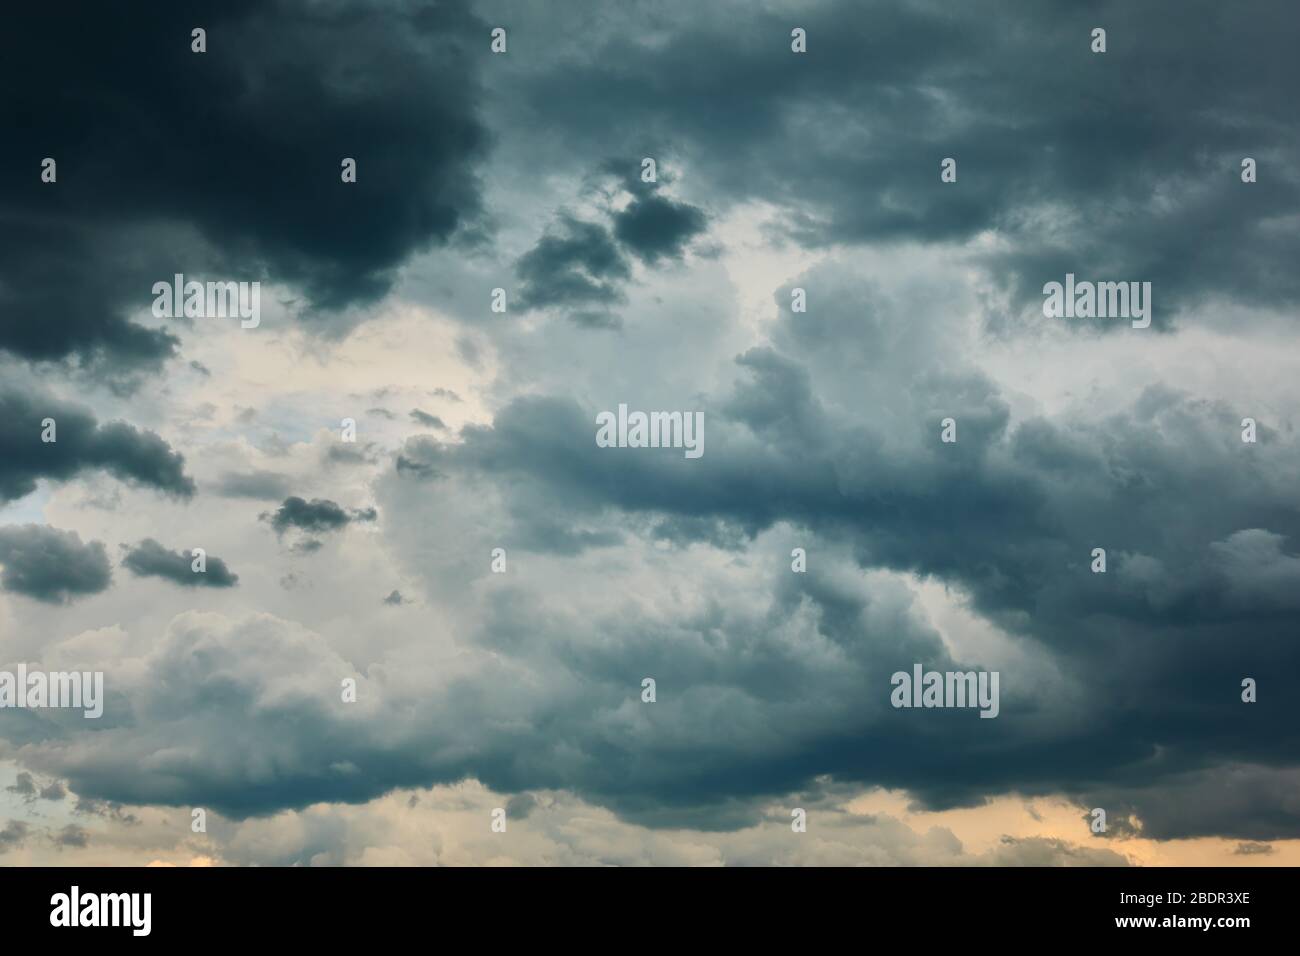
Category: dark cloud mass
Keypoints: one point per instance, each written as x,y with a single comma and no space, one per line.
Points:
1010,516
51,565
655,227
776,171
151,559
80,444
1125,162
582,266
577,264
225,162
317,516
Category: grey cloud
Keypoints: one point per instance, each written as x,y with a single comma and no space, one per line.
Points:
151,559
424,418
136,202
1009,514
655,227
576,265
53,791
218,702
82,444
320,515
1045,851
1138,177
73,836
13,835
582,266
1120,690
50,565
24,785
519,806
1253,849
105,809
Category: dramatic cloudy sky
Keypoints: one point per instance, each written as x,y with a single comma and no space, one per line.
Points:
371,560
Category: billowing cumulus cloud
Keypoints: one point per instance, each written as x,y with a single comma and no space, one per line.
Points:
500,590
1010,513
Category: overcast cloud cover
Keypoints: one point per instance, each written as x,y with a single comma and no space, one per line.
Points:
475,430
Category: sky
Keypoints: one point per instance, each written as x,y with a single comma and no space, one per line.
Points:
432,597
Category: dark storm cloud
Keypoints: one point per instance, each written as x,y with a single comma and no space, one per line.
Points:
1251,802
223,162
1152,651
1010,514
577,264
151,559
1125,161
50,565
1122,165
69,287
582,266
82,444
317,516
655,227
